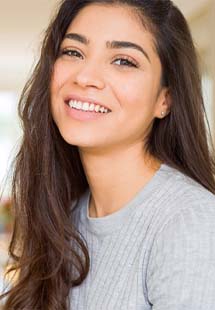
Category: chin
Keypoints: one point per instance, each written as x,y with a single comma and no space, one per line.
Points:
79,140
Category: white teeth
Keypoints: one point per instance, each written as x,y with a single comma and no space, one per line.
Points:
91,107
97,107
78,105
86,106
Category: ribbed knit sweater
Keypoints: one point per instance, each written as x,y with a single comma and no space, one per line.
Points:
156,252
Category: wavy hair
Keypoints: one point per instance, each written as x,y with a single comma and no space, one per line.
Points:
48,253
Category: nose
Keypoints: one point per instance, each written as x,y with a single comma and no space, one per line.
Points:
89,75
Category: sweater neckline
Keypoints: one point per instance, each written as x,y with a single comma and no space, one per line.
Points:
112,222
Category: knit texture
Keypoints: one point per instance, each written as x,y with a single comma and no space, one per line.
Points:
157,252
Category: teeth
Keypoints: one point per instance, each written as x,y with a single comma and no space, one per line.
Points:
78,105
86,106
91,108
97,107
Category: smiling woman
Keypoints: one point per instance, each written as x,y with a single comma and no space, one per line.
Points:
113,188
115,74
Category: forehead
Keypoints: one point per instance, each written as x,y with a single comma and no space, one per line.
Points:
102,22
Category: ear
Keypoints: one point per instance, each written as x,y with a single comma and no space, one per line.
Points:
163,104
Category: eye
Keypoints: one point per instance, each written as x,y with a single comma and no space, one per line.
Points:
70,52
127,62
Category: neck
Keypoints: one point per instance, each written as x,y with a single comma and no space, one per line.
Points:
116,177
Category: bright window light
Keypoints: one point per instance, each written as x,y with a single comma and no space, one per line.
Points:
9,134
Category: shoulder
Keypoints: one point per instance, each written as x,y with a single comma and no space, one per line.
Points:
181,272
188,213
186,219
193,218
184,196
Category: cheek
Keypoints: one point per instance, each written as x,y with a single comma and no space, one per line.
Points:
136,92
57,82
59,77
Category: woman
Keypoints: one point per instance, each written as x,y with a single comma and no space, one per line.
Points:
113,188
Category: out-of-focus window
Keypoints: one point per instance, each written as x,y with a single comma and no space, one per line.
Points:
10,133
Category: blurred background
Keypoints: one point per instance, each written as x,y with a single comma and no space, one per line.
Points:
22,25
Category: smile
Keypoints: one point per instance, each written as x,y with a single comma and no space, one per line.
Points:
85,106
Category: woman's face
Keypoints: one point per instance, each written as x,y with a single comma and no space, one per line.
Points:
121,76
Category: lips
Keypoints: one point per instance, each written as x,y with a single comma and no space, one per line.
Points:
84,99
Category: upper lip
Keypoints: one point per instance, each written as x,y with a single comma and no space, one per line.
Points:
85,99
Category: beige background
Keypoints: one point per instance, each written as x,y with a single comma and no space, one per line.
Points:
23,22
22,25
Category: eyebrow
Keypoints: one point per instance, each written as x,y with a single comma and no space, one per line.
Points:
109,44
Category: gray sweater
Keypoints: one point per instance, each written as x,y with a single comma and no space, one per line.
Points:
157,252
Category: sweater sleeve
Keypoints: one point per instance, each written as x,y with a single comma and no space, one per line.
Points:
181,269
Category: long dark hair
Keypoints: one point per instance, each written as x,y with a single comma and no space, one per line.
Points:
49,254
